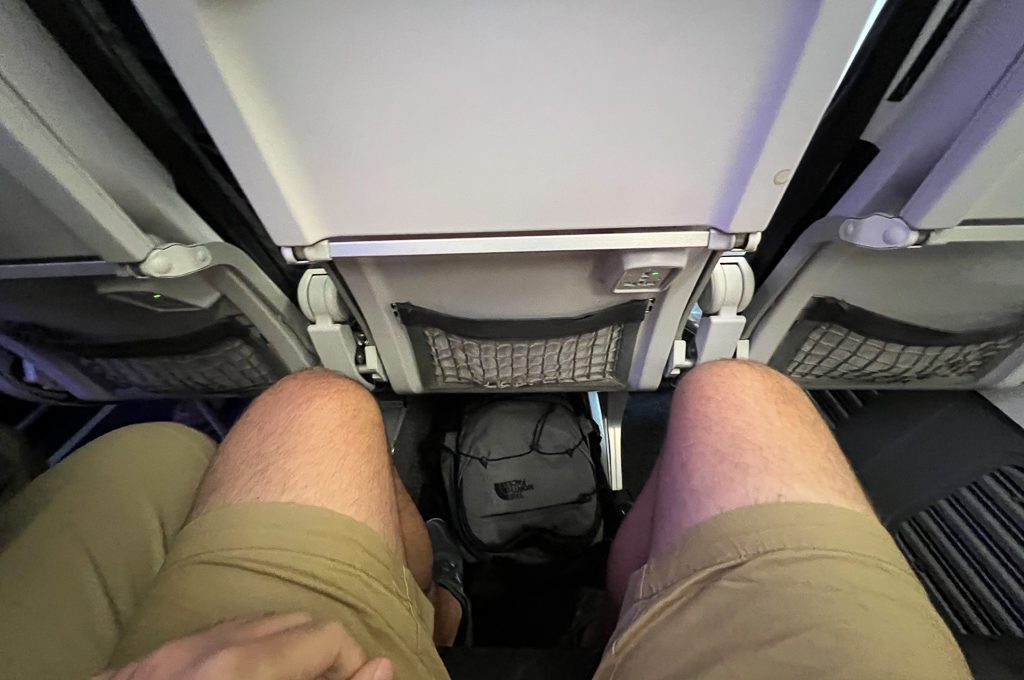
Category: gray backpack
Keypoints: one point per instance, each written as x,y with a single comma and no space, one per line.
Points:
521,481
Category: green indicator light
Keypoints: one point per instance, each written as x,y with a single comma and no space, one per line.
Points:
157,296
655,274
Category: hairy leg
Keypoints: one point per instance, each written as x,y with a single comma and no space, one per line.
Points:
419,557
318,439
632,545
739,434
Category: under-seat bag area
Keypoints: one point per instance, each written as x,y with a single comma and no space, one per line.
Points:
521,480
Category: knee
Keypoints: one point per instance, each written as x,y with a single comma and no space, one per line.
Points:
735,376
311,400
320,380
317,389
309,408
733,388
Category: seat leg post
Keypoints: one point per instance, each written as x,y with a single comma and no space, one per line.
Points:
607,410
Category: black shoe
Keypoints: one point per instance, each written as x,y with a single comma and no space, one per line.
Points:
449,568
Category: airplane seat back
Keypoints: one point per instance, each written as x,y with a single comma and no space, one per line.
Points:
914,279
508,197
111,286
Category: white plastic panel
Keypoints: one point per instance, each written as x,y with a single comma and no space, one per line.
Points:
30,229
344,118
982,183
75,181
49,179
951,163
90,185
940,148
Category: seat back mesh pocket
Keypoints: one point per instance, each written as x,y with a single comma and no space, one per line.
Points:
230,365
227,358
588,352
835,343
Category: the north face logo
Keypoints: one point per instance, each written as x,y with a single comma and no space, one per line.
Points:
513,489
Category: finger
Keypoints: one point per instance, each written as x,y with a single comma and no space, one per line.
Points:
377,669
125,673
304,652
238,631
196,649
250,629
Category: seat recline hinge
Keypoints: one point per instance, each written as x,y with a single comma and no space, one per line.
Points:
331,331
727,294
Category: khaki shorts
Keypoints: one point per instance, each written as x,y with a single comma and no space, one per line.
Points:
786,590
98,567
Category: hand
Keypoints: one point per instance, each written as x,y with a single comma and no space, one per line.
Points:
284,647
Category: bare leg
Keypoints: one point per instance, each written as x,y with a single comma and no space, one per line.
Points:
632,546
739,434
318,439
418,555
